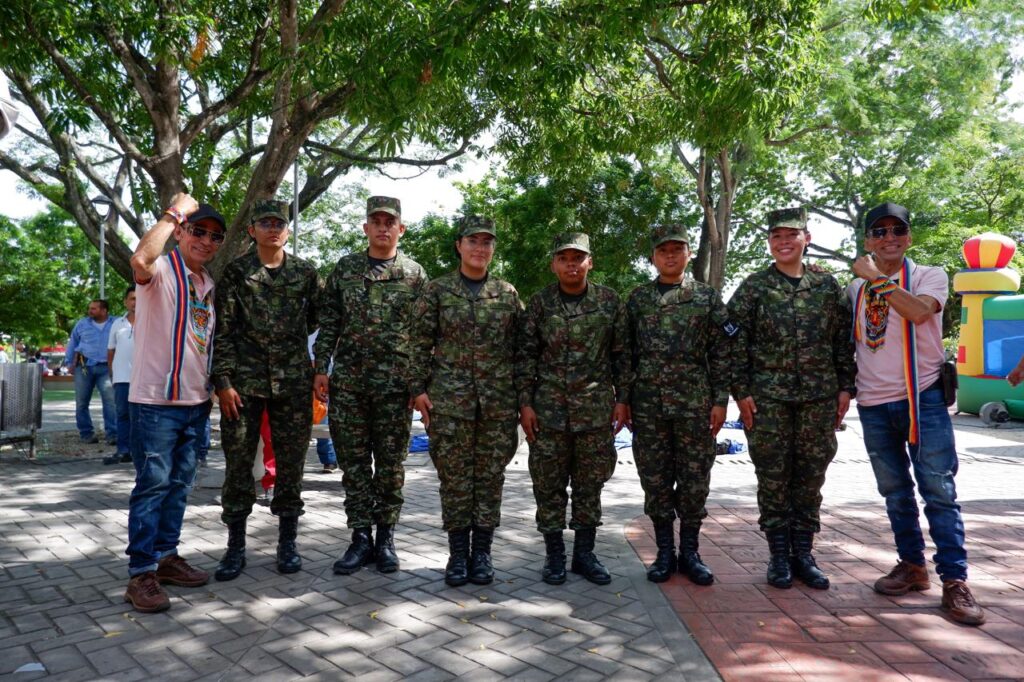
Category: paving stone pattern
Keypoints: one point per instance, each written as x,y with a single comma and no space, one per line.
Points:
63,573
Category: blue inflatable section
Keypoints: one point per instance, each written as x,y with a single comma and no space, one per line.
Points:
1004,346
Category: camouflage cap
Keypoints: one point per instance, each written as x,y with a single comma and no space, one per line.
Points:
381,204
669,232
475,224
795,218
269,208
571,240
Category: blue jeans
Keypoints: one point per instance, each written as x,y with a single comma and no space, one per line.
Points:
124,430
204,443
164,443
87,379
934,463
325,448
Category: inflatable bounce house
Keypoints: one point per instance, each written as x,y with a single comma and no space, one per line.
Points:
991,329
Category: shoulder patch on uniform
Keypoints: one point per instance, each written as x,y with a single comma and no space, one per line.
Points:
730,328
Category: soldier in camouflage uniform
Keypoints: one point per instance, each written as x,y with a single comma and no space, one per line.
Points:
266,309
365,319
464,340
572,373
680,335
793,379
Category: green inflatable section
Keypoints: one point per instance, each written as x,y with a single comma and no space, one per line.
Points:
976,391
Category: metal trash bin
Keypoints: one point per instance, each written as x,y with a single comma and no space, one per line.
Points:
21,403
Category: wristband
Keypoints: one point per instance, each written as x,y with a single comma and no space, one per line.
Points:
882,286
176,215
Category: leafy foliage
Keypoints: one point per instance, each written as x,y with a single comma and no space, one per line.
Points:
49,276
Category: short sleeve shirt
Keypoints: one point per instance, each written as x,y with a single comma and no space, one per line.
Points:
122,342
155,316
880,377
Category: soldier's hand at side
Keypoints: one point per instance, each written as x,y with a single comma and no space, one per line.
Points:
842,407
230,401
320,386
717,419
528,420
865,268
184,203
621,416
747,411
423,405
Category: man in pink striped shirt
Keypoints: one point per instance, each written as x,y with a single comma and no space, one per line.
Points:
169,398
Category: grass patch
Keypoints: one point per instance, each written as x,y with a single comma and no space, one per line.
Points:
53,395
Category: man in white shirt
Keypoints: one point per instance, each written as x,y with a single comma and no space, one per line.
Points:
898,330
120,348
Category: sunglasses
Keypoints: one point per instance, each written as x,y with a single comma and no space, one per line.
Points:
271,224
200,232
897,231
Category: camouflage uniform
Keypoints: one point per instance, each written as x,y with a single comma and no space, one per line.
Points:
365,320
794,354
572,367
261,350
463,358
681,350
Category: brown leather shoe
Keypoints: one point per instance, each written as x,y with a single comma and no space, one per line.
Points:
959,603
146,595
903,578
173,570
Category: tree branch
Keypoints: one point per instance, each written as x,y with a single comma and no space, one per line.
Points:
253,77
362,158
72,78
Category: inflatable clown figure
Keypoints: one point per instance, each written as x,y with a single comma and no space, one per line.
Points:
991,327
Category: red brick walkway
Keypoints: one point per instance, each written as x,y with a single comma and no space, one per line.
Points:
751,631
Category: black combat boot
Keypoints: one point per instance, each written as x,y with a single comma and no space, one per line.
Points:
288,559
779,573
481,570
690,563
456,573
359,552
387,559
233,561
665,563
802,561
554,564
584,561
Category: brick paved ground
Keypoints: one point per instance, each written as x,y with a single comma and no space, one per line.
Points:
754,632
62,577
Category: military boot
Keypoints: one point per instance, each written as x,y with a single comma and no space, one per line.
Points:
690,563
233,561
387,559
802,561
359,552
554,563
779,572
584,561
456,573
481,570
288,559
665,563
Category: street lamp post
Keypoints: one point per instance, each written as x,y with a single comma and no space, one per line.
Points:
100,200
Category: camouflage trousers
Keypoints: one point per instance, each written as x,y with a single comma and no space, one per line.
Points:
791,446
674,457
371,438
558,459
470,456
291,421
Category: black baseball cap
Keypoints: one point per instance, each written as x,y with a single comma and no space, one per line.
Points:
207,211
886,210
